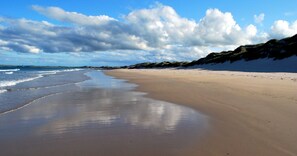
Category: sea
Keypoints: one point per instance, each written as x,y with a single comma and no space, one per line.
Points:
22,85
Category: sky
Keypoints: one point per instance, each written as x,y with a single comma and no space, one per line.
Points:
118,32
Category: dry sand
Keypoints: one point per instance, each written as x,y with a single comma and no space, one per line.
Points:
252,114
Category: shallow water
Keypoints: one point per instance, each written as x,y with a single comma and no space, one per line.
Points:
27,85
104,117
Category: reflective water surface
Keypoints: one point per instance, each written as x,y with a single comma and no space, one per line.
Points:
103,114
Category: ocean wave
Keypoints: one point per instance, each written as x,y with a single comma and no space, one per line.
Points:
9,83
9,70
51,72
14,82
39,87
8,73
69,70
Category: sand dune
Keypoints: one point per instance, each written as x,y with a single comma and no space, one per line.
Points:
259,65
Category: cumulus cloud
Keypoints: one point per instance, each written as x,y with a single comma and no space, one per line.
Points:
160,26
259,18
219,29
282,28
156,33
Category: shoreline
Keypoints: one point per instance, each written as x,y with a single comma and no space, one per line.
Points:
101,115
251,113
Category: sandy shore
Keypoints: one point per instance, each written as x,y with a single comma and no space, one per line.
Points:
252,114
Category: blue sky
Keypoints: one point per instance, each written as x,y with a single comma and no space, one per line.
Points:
114,32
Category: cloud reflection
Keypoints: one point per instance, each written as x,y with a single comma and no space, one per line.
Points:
108,106
129,109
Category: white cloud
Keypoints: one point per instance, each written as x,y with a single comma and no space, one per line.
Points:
160,26
72,17
157,33
259,18
251,30
31,49
282,28
218,29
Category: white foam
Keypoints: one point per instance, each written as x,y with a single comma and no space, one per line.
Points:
2,91
8,73
51,72
69,70
14,82
9,70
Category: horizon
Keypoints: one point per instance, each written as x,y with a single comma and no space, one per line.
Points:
116,33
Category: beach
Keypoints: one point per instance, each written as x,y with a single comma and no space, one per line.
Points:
249,113
156,112
148,78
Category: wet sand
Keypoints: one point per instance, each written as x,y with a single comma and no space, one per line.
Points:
104,117
251,114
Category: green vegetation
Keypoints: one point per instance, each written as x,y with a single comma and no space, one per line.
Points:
275,49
